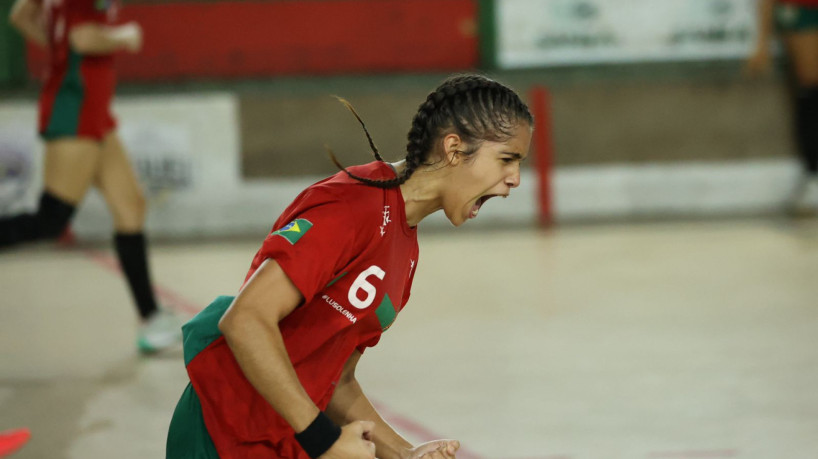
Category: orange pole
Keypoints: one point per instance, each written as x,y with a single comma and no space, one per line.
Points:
543,152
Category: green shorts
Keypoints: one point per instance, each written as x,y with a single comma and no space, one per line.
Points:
187,436
790,17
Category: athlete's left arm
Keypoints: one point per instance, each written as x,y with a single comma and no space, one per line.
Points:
27,17
349,403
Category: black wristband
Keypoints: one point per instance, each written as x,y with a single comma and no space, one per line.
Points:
319,436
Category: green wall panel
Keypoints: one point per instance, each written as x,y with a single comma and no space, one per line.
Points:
12,50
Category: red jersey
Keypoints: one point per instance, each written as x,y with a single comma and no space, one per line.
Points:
348,249
807,3
78,88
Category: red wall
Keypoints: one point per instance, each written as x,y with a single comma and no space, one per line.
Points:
248,39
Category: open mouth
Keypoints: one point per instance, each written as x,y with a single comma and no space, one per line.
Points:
475,209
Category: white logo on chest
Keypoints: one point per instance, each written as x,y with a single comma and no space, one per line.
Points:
386,220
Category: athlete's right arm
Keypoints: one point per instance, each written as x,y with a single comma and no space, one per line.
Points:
26,16
98,39
250,327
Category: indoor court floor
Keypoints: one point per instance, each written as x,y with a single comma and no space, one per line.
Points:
617,341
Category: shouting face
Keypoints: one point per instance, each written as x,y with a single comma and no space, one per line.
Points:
492,170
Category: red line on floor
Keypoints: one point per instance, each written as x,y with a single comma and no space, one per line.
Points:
414,429
167,297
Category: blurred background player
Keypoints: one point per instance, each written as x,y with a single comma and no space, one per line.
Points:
81,144
273,371
797,23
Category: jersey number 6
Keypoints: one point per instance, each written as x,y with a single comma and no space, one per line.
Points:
362,284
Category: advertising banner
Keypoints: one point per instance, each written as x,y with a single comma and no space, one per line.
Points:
161,154
184,149
535,33
20,159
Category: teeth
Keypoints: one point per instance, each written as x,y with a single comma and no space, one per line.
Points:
474,210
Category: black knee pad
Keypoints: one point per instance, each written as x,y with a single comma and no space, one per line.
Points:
53,216
18,229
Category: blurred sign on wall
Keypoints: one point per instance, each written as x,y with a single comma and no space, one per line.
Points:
185,149
536,33
20,159
161,153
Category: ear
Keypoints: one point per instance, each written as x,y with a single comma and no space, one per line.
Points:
452,146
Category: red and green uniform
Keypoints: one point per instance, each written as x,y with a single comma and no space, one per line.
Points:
796,15
348,249
76,97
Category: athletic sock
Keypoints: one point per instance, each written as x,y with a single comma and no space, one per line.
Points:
49,222
806,127
133,258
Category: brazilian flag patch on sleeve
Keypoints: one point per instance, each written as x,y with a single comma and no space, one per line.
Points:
294,230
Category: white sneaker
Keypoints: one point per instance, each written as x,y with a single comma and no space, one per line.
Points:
162,330
802,201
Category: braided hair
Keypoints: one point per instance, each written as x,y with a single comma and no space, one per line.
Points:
472,106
